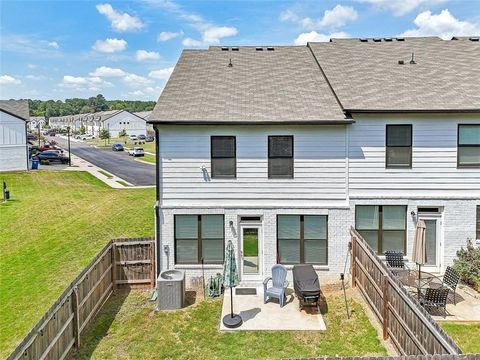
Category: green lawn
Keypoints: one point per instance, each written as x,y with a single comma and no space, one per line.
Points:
148,146
54,225
128,328
250,244
149,158
467,336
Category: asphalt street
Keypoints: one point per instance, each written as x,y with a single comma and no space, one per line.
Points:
115,162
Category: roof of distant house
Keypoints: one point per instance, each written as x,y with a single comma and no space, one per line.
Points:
17,108
281,84
143,114
403,74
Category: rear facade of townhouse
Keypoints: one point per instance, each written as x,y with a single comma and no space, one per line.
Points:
282,149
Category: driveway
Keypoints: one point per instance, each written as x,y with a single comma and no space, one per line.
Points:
115,162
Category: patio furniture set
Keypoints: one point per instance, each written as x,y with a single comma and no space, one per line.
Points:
432,291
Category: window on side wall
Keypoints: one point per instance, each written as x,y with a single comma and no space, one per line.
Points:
398,146
302,239
223,157
384,227
197,237
280,157
468,147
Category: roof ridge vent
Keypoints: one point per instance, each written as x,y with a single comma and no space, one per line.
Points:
474,39
270,48
235,48
259,48
377,39
387,39
363,40
454,38
400,39
224,48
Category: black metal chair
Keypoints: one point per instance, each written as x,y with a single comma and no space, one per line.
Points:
395,262
451,278
435,298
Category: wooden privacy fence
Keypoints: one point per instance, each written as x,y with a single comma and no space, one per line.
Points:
409,326
410,357
121,263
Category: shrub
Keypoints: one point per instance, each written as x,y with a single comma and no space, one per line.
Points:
44,162
467,265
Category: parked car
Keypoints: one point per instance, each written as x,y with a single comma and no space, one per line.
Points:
141,137
133,137
52,156
87,137
136,151
150,138
117,147
47,147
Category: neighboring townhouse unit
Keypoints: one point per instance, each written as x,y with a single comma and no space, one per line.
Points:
283,149
14,154
113,120
35,122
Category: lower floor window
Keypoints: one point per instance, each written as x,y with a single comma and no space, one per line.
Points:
199,237
302,239
384,227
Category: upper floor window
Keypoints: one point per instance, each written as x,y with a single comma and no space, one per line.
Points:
302,239
280,157
384,227
399,146
199,237
223,156
468,145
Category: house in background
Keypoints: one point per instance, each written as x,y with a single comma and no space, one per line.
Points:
113,120
14,115
35,121
283,149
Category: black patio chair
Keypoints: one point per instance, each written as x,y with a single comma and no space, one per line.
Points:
435,298
395,262
451,279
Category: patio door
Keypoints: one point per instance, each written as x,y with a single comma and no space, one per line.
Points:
251,252
433,238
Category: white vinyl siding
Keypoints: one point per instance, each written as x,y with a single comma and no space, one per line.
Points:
13,145
319,158
434,171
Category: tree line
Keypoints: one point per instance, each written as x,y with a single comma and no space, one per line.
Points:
93,104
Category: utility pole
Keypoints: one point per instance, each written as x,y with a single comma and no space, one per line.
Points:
69,155
38,126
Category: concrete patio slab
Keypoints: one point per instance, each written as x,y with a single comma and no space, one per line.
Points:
467,307
270,316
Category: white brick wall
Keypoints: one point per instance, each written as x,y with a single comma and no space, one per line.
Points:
458,224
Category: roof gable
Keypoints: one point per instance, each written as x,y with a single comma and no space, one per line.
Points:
17,108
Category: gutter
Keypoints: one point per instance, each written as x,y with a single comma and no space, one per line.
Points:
412,111
261,122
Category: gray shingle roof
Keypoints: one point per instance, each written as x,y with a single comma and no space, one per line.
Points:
366,76
18,108
283,85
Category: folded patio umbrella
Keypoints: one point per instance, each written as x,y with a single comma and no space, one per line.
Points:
420,246
230,279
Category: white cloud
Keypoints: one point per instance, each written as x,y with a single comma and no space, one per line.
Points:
80,82
110,45
53,44
120,22
136,80
191,42
9,80
161,74
314,36
213,34
74,80
401,7
35,77
105,71
166,35
444,25
332,19
32,66
142,55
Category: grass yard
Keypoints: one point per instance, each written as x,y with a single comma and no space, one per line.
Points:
53,226
466,335
149,158
127,327
148,146
250,244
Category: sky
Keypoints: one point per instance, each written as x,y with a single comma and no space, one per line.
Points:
127,49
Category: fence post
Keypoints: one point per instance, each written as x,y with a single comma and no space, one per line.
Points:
114,265
385,306
76,317
152,262
353,261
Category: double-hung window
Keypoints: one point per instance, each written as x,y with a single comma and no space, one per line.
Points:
223,157
468,145
280,157
302,239
398,146
199,237
383,227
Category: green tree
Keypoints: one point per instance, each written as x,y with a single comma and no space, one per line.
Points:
82,129
104,135
123,134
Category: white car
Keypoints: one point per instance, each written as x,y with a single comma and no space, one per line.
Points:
87,137
133,137
136,151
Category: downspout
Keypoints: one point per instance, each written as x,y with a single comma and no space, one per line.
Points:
26,143
158,203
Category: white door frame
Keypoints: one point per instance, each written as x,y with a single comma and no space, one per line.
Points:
439,237
246,276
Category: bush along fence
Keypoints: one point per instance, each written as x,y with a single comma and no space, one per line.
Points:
409,326
122,263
